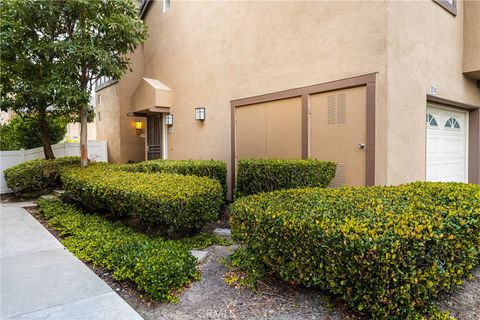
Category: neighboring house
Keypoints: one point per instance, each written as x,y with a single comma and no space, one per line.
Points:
73,132
387,89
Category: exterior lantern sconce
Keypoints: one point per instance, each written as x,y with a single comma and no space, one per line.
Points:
169,119
200,114
138,126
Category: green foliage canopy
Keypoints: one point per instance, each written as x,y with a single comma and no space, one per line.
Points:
23,133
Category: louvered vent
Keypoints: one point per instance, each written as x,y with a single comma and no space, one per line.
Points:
331,106
341,105
339,179
336,108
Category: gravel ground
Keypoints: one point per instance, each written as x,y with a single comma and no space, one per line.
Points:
211,298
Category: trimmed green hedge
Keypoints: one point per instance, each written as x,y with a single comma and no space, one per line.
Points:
38,176
178,202
388,252
213,169
158,267
265,175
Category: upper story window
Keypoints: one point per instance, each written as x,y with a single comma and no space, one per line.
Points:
102,80
449,5
166,5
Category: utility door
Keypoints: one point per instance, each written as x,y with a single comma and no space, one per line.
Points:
154,137
338,133
269,130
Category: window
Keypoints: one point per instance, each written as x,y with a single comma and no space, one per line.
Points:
449,5
166,5
431,120
99,99
99,116
452,123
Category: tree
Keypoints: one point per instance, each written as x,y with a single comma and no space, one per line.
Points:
98,36
30,81
23,133
53,52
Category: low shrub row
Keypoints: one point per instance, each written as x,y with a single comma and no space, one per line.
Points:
36,177
213,169
158,267
178,202
265,175
388,252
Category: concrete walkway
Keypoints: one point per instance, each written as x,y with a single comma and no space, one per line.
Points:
40,279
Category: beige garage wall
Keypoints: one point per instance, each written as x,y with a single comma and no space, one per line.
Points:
425,49
209,53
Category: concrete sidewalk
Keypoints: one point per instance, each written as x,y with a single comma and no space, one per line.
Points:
40,279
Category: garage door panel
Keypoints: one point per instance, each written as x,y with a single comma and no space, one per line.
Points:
446,145
433,145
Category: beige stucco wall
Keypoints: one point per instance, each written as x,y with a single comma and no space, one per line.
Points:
209,53
108,120
424,49
471,52
124,142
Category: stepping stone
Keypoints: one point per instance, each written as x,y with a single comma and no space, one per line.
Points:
58,192
224,233
200,255
48,197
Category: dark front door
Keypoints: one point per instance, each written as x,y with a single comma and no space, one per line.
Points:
154,137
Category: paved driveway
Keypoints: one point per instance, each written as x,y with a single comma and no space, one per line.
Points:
40,279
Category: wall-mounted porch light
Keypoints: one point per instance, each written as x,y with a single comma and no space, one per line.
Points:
169,119
138,125
200,113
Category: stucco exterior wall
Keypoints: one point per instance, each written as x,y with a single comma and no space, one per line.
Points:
471,38
212,52
108,121
132,142
424,49
209,53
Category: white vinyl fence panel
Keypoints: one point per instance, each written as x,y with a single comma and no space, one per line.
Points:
97,151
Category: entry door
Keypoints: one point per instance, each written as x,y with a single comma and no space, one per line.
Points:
154,137
338,133
446,144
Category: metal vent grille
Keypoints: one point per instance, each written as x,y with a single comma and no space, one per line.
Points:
331,110
341,105
336,108
339,179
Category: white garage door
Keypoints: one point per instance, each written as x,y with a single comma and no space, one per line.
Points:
446,144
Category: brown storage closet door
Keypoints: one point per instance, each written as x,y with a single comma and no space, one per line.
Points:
338,132
269,130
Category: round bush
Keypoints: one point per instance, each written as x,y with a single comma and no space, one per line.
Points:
213,169
388,252
175,201
38,176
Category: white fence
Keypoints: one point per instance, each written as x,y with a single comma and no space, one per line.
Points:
97,151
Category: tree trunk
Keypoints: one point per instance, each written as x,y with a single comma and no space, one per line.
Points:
45,136
83,137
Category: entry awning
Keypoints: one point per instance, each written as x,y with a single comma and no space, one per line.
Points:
149,98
